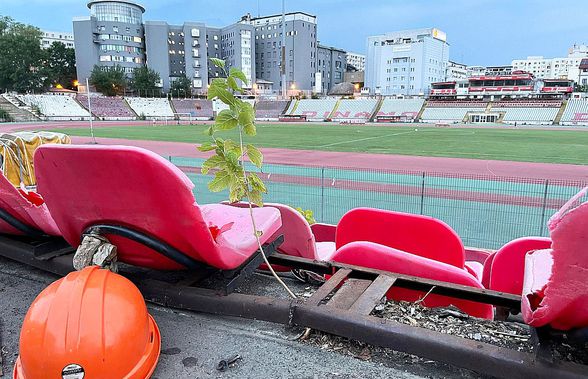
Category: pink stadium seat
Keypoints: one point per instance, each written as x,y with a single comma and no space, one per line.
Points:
135,188
555,288
508,264
26,207
419,235
376,256
300,240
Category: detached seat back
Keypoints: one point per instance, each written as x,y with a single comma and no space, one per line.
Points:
555,287
416,234
134,188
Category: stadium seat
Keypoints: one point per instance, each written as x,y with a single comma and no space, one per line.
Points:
528,112
555,289
137,189
27,208
373,246
506,266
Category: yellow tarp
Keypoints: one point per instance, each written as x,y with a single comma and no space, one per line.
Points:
17,151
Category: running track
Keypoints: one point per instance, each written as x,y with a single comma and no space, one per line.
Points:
341,159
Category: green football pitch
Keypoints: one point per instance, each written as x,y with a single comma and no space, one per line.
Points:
525,145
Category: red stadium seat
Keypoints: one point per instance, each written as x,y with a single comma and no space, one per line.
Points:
135,188
506,269
419,235
26,208
354,247
555,289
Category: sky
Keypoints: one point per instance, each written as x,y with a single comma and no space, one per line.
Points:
480,32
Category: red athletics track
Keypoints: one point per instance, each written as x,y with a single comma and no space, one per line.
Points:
340,159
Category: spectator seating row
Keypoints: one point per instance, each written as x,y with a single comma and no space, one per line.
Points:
576,112
197,108
358,109
313,109
151,107
55,107
108,108
406,108
270,110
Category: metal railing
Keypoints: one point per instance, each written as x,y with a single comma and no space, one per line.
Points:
486,211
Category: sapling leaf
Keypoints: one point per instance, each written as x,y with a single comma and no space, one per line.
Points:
226,120
255,156
218,62
236,73
221,180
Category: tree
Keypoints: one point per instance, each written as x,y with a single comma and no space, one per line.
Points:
21,57
60,66
108,80
181,87
145,81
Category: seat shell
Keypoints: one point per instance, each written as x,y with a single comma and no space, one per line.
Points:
136,188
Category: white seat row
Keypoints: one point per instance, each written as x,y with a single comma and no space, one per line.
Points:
576,112
358,109
313,109
529,115
55,106
408,108
150,107
446,114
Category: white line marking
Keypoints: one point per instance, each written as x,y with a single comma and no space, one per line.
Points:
364,139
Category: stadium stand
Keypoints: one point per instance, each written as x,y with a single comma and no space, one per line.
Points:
17,111
55,107
407,109
151,107
199,109
269,110
576,112
451,111
313,109
528,112
108,108
359,109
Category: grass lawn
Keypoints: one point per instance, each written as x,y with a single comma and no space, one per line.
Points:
550,146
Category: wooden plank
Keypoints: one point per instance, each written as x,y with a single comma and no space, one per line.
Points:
349,292
373,295
328,287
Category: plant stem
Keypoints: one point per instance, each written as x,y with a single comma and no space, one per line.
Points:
255,231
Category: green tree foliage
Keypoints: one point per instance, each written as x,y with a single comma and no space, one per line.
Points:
60,66
181,87
21,57
145,81
227,161
111,81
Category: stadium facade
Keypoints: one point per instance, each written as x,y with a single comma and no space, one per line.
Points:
406,62
301,49
49,37
176,51
554,68
112,35
331,63
357,61
115,34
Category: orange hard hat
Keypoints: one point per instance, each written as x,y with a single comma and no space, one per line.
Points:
91,324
